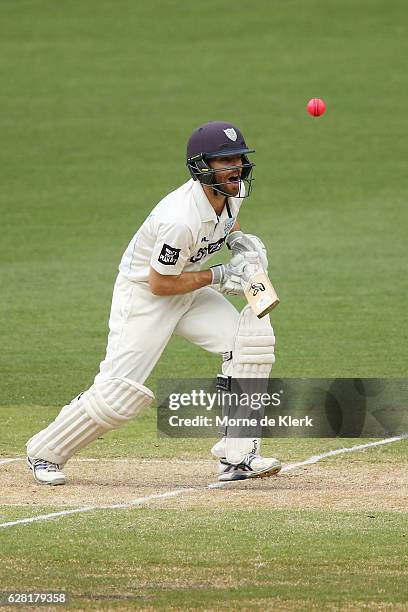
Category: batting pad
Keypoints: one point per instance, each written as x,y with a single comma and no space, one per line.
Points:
253,355
107,405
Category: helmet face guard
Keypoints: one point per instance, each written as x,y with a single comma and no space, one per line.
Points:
218,139
201,171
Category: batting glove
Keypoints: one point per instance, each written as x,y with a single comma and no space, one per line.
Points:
242,243
233,276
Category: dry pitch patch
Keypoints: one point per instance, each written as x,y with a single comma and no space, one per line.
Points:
340,484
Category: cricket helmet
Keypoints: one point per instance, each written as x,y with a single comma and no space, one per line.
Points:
214,140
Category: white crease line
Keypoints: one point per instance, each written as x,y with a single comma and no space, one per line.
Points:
142,500
114,460
341,451
215,485
45,517
135,502
136,460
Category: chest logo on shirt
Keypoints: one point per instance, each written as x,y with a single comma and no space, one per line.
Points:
169,255
212,247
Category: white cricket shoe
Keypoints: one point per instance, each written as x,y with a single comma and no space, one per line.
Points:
218,450
252,466
46,472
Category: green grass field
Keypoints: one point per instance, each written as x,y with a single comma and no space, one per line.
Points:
97,101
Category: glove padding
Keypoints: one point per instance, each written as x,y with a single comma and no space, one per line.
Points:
239,242
234,276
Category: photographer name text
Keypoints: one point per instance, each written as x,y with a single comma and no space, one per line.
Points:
205,421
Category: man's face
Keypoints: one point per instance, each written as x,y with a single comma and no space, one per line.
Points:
230,176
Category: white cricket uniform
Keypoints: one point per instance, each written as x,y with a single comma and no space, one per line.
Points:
181,234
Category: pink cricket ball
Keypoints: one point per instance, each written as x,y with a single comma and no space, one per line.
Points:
316,107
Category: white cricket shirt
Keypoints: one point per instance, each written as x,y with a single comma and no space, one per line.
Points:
181,234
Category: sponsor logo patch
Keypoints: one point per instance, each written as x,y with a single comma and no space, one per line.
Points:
212,247
169,255
256,288
229,224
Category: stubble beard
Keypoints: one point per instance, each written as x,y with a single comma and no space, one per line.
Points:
230,190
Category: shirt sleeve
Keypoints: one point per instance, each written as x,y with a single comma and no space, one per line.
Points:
172,249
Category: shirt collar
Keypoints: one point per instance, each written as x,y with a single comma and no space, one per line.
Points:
207,212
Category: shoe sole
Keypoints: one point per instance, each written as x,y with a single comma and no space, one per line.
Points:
269,472
57,481
60,481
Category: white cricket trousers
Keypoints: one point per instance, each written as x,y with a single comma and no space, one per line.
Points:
141,324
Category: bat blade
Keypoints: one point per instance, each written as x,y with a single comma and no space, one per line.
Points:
260,294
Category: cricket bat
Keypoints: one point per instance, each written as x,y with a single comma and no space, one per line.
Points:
260,294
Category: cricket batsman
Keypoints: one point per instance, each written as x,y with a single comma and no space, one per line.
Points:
165,287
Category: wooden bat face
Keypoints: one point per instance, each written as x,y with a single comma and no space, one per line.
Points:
260,294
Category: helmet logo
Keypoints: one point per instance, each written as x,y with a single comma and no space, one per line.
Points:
231,134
